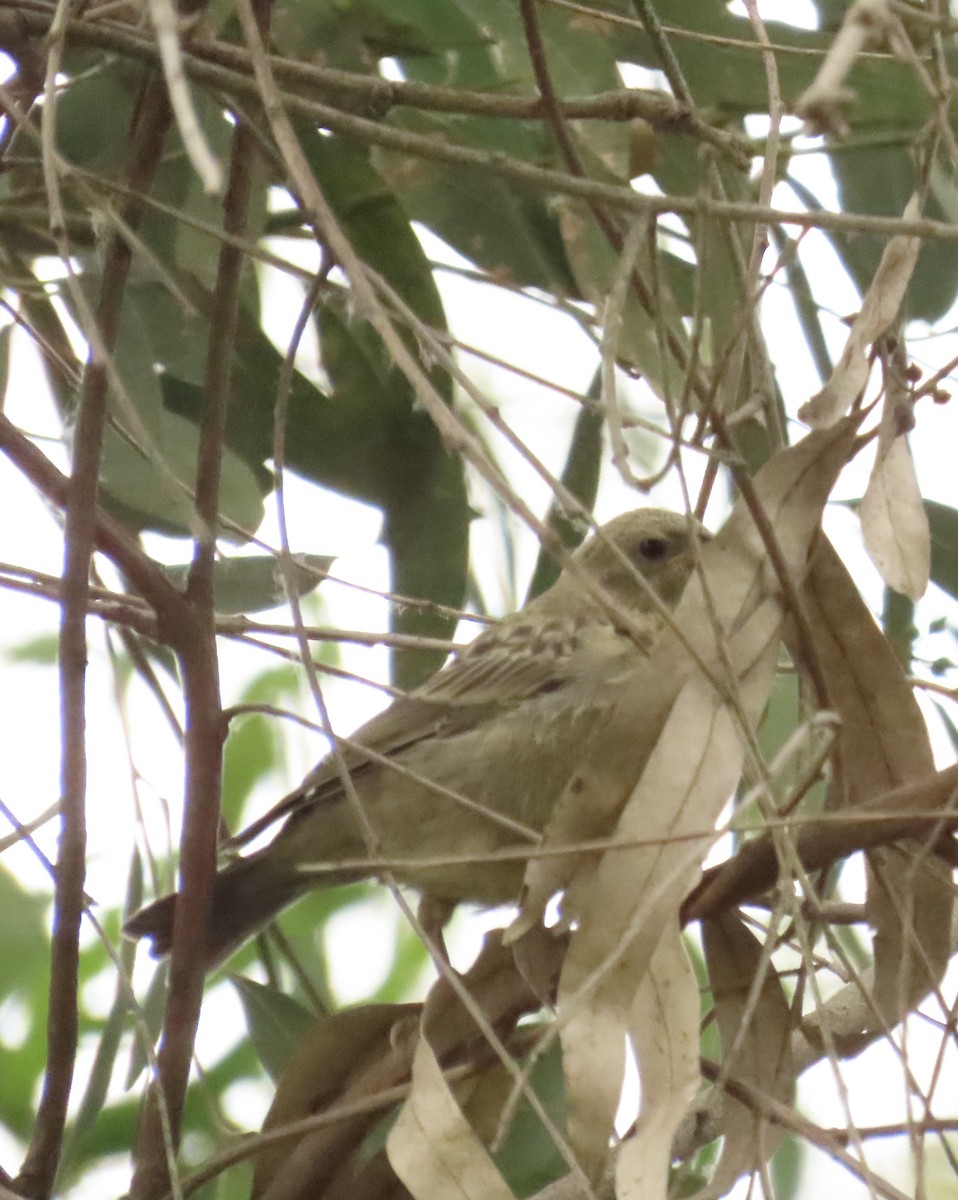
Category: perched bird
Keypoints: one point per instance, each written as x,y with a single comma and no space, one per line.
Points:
470,763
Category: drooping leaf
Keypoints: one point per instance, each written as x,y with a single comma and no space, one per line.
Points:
943,523
878,180
255,582
755,1021
883,743
661,778
580,475
276,1022
894,522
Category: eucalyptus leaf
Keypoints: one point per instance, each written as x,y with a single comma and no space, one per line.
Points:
253,583
879,180
23,980
943,525
275,1021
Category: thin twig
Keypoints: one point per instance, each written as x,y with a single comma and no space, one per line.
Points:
40,1165
205,728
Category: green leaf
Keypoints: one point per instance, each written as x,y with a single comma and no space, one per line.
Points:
950,728
6,333
40,651
729,77
427,531
250,755
655,344
148,467
255,582
151,1021
943,524
580,475
581,60
275,1022
367,441
439,25
788,1168
94,112
383,439
189,253
24,979
508,230
783,715
253,748
528,1157
378,228
110,1032
806,307
503,228
879,181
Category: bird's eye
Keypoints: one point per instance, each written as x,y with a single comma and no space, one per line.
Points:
653,549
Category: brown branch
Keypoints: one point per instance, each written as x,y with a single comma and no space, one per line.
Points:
800,1126
110,536
529,13
116,608
905,812
370,95
205,726
669,62
43,1155
560,183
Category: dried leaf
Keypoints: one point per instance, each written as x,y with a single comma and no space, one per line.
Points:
880,306
433,1148
883,744
755,1027
893,517
636,893
347,1055
665,1031
623,899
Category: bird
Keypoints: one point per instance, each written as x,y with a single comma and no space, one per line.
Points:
471,763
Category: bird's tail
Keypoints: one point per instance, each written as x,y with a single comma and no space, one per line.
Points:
247,895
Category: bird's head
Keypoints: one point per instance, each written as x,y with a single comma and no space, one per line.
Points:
651,542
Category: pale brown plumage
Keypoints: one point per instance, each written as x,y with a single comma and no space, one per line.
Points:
504,724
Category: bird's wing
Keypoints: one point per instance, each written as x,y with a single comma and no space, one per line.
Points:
509,663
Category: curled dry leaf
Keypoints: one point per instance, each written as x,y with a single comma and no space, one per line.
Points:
635,895
894,522
880,306
754,1022
665,1028
893,517
689,707
433,1148
883,744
